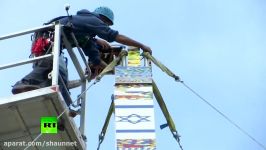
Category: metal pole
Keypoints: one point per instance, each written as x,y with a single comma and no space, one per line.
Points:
79,49
24,62
83,106
124,61
73,57
56,53
145,61
25,32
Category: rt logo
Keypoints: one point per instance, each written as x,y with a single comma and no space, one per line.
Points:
48,125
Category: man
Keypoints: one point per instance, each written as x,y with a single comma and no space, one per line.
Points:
86,26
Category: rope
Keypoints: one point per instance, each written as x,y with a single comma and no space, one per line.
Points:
63,112
224,116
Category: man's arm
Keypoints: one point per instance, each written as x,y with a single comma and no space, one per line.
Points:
103,43
130,42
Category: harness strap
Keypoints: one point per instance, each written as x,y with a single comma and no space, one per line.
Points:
161,66
55,19
111,66
106,123
170,123
163,107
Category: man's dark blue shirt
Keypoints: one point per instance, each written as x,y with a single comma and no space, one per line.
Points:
88,24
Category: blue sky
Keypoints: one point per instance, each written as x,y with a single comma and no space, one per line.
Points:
216,46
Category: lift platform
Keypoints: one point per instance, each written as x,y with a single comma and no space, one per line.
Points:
20,121
22,114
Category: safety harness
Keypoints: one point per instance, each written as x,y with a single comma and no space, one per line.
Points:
42,40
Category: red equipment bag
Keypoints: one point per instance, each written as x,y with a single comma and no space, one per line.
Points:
39,46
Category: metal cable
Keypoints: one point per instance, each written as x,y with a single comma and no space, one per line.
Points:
224,116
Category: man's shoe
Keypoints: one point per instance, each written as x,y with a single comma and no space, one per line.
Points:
72,113
61,125
20,87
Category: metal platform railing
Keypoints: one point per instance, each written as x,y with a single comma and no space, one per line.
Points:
59,37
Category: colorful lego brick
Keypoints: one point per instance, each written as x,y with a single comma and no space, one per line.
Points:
133,75
134,57
136,144
133,71
133,92
134,119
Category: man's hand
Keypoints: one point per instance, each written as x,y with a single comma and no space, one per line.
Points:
130,42
146,49
103,43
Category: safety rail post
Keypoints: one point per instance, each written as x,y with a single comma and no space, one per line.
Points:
56,53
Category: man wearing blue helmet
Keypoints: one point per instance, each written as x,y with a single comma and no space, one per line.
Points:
86,26
90,24
97,23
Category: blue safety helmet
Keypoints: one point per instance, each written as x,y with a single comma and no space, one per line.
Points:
105,11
